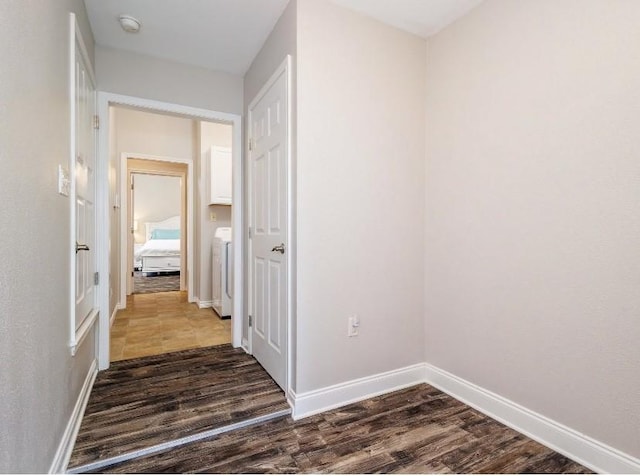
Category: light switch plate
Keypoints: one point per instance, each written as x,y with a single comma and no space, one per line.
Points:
63,181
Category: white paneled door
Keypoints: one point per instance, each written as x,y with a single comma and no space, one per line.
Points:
268,217
84,192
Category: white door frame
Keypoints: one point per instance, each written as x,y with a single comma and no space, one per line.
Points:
106,99
285,67
125,232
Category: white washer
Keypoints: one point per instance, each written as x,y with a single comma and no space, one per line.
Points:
222,266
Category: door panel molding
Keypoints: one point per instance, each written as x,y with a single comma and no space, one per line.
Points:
256,135
131,163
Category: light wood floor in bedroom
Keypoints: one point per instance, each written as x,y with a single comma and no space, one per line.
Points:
158,323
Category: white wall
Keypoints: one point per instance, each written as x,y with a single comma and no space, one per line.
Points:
156,198
154,134
533,206
221,135
282,41
40,379
360,195
132,74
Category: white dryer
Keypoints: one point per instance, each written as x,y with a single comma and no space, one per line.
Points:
222,266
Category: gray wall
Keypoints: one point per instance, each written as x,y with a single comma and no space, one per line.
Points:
40,379
360,196
533,205
132,74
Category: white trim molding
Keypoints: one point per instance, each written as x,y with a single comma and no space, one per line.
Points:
189,210
113,315
83,331
567,441
204,304
63,453
317,401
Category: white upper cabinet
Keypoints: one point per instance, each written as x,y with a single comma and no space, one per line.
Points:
218,163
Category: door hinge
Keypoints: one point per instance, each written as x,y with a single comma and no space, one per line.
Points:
96,122
250,144
96,278
132,274
250,321
249,232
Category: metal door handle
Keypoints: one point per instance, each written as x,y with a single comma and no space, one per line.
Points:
80,247
279,248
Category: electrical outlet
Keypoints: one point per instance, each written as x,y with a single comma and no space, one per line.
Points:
354,326
212,216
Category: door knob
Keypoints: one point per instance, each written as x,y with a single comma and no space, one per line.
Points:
279,248
80,247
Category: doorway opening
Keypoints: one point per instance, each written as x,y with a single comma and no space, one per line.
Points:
111,298
175,189
206,210
157,216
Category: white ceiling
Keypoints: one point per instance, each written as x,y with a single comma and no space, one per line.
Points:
420,17
226,35
223,35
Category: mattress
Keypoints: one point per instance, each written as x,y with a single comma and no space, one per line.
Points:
157,247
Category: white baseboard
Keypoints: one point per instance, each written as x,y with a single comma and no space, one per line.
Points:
204,304
317,401
63,454
113,315
580,448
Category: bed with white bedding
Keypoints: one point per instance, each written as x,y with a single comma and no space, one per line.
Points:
161,252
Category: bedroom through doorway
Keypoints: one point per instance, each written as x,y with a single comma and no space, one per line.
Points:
156,222
156,209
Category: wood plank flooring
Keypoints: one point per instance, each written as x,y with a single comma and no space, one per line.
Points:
164,322
417,430
140,403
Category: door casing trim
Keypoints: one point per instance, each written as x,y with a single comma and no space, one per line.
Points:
125,213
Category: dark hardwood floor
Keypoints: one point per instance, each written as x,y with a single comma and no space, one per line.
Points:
149,401
417,430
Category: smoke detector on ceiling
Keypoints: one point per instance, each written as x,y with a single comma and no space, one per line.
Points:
129,24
